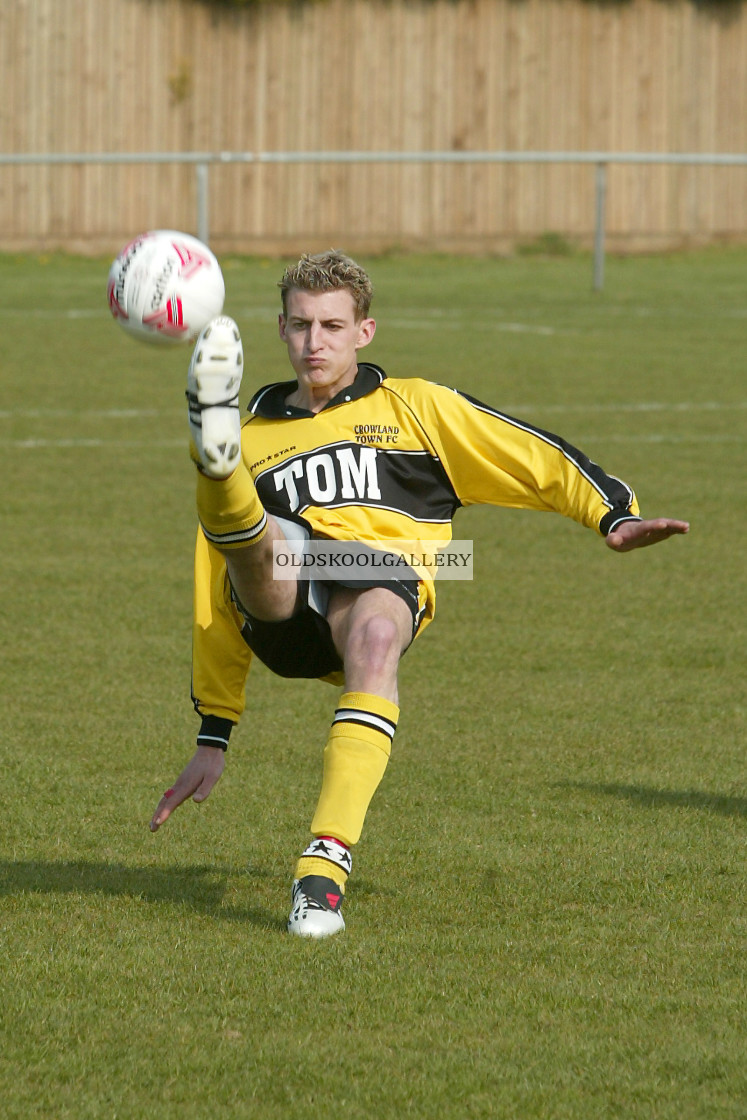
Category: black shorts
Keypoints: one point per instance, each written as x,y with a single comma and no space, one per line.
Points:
302,646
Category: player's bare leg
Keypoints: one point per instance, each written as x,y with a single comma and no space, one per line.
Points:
250,571
371,628
231,513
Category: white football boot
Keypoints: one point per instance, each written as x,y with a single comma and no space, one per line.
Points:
315,907
213,384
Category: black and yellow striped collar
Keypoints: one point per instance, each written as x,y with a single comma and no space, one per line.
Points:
270,401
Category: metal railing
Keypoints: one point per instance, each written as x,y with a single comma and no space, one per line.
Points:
203,160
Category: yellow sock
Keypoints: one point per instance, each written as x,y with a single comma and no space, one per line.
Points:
229,509
355,759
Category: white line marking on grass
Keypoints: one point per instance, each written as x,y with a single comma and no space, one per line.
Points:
459,325
509,328
525,328
512,409
409,317
637,406
52,313
615,437
95,413
35,444
658,437
674,312
258,314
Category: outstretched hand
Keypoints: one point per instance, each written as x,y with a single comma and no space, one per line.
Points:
196,781
639,534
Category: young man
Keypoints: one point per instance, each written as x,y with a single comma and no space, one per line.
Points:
344,454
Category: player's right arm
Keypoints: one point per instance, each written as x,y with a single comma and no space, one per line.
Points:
220,664
220,656
196,781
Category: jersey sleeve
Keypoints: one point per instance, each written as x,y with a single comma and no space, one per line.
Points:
492,458
220,656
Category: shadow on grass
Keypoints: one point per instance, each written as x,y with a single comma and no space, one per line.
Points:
651,798
201,888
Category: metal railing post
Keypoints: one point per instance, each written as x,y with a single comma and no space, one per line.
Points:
599,223
203,202
202,160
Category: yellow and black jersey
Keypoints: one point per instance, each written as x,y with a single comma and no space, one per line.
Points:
388,459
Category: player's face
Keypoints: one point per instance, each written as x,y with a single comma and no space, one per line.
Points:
323,338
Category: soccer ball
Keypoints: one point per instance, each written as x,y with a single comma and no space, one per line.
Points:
165,286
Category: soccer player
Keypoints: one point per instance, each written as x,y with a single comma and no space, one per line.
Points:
343,453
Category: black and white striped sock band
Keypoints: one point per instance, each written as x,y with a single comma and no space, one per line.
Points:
366,719
241,536
323,847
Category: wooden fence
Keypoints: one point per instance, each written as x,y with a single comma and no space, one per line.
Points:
374,75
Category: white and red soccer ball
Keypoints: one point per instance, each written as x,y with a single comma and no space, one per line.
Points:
165,286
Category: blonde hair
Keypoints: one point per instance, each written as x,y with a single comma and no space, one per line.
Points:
328,272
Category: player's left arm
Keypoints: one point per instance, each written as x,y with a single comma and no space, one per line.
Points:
496,459
639,534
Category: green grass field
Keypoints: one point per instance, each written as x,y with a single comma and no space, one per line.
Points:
547,915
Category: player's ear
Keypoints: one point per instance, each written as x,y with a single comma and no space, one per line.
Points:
281,327
366,331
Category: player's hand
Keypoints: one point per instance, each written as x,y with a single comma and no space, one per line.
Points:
196,781
639,534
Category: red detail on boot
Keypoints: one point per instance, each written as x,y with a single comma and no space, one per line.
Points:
333,899
335,841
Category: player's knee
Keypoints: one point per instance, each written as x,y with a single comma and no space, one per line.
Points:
377,640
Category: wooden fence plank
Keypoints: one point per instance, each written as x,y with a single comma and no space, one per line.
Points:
132,75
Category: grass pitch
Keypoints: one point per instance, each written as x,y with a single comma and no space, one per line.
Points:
547,915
